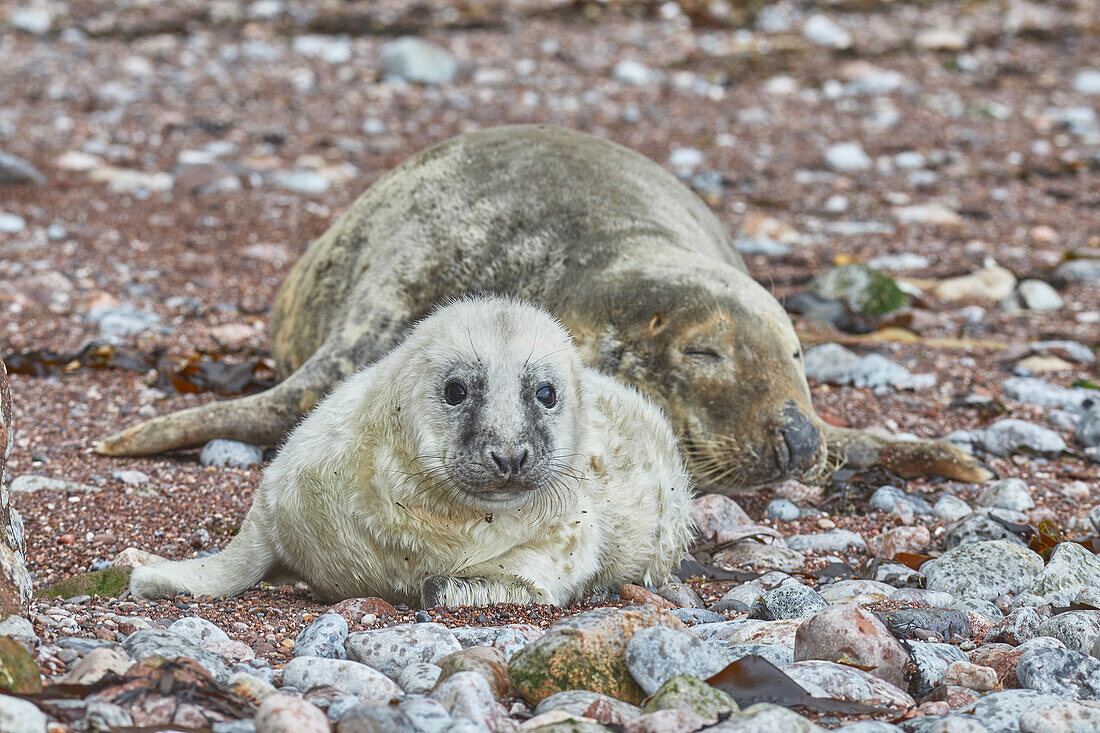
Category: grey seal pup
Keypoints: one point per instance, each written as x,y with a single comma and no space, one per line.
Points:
478,462
631,261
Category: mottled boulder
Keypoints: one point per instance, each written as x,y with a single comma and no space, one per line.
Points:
586,652
683,691
849,634
1070,570
983,570
15,581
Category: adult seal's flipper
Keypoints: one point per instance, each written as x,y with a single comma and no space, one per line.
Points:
906,458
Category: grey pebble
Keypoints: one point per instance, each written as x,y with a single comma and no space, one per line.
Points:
221,452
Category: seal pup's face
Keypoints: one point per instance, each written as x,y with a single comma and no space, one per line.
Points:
717,352
498,417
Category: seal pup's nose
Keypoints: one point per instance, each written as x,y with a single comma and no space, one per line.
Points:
509,463
802,438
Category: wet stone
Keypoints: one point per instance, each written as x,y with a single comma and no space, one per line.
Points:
149,642
983,569
1065,673
391,649
928,664
848,632
925,623
788,601
843,682
1078,630
978,527
307,673
578,701
1001,711
777,654
324,637
419,678
1009,493
684,691
232,453
655,654
198,630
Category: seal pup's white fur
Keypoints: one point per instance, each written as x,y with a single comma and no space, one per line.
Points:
380,490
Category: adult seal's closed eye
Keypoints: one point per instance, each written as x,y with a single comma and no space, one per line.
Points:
479,462
634,263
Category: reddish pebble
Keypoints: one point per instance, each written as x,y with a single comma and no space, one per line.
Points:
638,594
354,609
66,539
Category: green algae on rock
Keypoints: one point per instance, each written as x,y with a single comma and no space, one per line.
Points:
109,583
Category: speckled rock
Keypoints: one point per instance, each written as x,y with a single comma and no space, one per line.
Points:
983,570
486,661
766,718
1020,625
978,605
198,630
978,527
887,499
899,539
1070,570
286,714
842,682
658,653
1065,717
918,623
20,716
920,596
1009,493
792,600
835,540
586,652
307,673
468,695
674,720
692,616
508,639
391,649
928,664
1063,672
1009,435
96,664
847,633
578,701
856,591
750,553
715,512
767,632
971,676
419,678
149,642
684,691
1001,711
680,595
1078,630
777,654
233,453
324,637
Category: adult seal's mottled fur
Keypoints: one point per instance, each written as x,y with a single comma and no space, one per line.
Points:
635,265
478,462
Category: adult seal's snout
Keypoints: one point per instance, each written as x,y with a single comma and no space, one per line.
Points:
801,436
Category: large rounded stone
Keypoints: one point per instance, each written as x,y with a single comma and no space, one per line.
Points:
1078,630
1070,570
392,649
765,717
684,691
658,653
324,637
353,678
847,633
486,661
792,600
15,581
586,652
1062,672
843,682
983,570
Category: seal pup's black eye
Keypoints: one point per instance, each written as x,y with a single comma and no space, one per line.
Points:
546,395
454,392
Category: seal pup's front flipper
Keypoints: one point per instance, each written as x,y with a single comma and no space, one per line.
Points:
906,458
247,560
450,591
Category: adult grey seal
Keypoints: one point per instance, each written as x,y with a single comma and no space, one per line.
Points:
632,262
478,462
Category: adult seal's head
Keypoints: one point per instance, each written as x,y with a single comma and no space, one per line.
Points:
718,353
490,393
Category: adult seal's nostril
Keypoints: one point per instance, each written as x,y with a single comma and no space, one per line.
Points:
801,436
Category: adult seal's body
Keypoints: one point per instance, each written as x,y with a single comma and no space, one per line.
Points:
634,264
476,463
